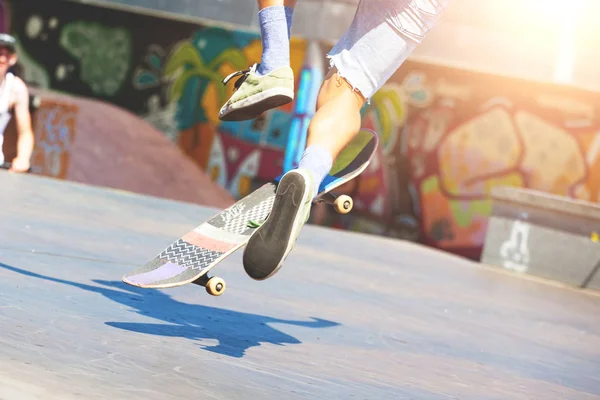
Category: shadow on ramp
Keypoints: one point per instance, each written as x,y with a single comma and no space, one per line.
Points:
235,331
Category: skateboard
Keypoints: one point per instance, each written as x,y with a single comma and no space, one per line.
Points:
192,256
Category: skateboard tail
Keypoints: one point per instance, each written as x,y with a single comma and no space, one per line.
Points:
172,274
196,252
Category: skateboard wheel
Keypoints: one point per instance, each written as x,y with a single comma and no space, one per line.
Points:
343,204
215,286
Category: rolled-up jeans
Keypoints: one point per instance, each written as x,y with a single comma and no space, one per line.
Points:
381,37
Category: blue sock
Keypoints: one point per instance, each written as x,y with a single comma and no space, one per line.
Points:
275,27
317,160
289,18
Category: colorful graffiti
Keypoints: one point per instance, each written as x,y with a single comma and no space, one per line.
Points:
450,136
447,135
103,54
55,130
171,76
54,125
195,70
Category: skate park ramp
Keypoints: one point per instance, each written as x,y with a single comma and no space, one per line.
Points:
349,316
93,142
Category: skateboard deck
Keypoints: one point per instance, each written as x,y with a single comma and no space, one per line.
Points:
188,259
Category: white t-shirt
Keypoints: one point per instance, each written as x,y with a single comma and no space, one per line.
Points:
5,111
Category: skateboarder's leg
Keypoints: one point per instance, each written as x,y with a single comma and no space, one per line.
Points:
269,84
381,37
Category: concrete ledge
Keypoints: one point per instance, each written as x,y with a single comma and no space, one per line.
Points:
546,201
549,236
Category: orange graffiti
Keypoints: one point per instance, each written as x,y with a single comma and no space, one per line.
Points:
54,127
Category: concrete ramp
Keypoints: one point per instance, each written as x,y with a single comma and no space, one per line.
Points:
348,317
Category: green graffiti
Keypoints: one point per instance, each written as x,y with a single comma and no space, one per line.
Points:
391,114
104,54
430,185
193,66
34,72
148,76
464,211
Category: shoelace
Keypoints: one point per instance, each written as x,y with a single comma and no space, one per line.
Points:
239,82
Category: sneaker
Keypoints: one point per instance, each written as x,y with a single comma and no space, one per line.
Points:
274,238
254,94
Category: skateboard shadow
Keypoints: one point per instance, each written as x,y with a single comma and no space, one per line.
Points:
234,331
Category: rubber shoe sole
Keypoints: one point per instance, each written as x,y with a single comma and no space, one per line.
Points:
273,240
253,106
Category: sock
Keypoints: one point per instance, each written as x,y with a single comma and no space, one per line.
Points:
318,161
289,18
275,26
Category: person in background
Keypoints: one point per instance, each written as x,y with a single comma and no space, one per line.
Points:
14,101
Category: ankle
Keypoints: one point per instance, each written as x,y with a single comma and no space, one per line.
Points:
274,32
318,162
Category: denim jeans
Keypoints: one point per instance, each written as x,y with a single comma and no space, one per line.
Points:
382,35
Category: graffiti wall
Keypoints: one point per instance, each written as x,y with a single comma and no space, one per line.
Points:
448,136
166,71
451,135
54,126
